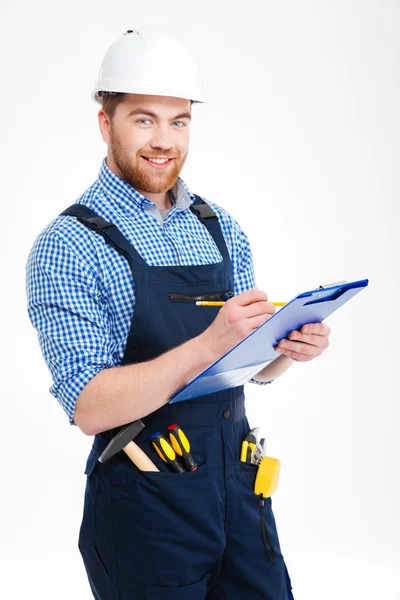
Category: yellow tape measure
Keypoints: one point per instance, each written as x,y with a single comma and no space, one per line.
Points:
267,476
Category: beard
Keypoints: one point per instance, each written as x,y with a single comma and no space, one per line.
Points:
139,174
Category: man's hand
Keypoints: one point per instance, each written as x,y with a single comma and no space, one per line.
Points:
309,343
238,318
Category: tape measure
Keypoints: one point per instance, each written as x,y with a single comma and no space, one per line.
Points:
265,485
267,476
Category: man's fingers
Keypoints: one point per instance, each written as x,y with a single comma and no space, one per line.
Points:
259,308
311,339
299,348
255,322
316,328
249,297
240,314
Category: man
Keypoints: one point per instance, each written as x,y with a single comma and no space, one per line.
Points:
111,285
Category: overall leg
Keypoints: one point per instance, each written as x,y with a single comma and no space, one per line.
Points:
245,571
155,535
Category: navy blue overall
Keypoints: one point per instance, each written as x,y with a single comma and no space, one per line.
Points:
167,535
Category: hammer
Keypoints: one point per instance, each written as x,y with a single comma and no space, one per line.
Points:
123,441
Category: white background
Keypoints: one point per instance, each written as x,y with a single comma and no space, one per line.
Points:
300,142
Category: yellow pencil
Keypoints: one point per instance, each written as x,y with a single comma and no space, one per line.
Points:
204,303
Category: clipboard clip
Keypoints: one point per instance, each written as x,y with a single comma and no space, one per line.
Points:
329,285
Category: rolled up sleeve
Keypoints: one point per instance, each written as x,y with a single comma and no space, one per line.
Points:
66,307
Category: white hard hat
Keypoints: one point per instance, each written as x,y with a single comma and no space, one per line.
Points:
149,60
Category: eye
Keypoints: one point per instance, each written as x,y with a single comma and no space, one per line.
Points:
181,122
139,120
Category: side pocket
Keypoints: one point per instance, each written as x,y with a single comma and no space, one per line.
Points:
87,529
92,461
194,591
98,574
249,473
289,583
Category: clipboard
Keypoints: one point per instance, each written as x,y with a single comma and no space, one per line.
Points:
256,351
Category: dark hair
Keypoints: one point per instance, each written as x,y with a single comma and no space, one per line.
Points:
110,101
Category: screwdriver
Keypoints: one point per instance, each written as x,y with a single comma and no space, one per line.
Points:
165,451
181,446
243,453
252,439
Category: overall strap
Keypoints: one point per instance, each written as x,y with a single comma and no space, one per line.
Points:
207,216
107,230
117,240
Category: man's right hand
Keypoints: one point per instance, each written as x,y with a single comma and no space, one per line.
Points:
125,393
238,318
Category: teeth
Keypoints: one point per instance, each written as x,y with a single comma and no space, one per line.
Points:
158,160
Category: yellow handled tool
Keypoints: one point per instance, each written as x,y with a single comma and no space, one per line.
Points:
249,445
181,445
243,454
165,451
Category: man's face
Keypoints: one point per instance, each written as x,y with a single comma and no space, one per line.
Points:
146,127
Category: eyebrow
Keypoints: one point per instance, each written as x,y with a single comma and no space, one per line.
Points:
144,111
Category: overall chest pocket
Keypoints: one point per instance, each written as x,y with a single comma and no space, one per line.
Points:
175,317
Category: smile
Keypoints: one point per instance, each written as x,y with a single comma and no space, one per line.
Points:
158,163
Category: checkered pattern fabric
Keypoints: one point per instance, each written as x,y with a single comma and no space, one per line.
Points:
80,292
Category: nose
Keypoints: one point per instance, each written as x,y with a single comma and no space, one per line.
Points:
162,139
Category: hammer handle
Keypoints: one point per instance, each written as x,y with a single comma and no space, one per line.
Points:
138,457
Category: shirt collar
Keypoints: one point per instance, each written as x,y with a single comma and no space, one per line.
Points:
130,200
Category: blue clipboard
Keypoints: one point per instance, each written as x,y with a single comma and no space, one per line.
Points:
256,351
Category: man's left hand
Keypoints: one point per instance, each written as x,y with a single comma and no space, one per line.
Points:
306,344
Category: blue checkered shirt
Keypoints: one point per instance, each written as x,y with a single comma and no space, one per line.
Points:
80,292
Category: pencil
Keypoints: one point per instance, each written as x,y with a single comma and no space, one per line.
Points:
204,303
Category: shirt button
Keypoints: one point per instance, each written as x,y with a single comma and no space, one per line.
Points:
227,414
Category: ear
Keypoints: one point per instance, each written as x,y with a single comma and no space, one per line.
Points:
105,126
